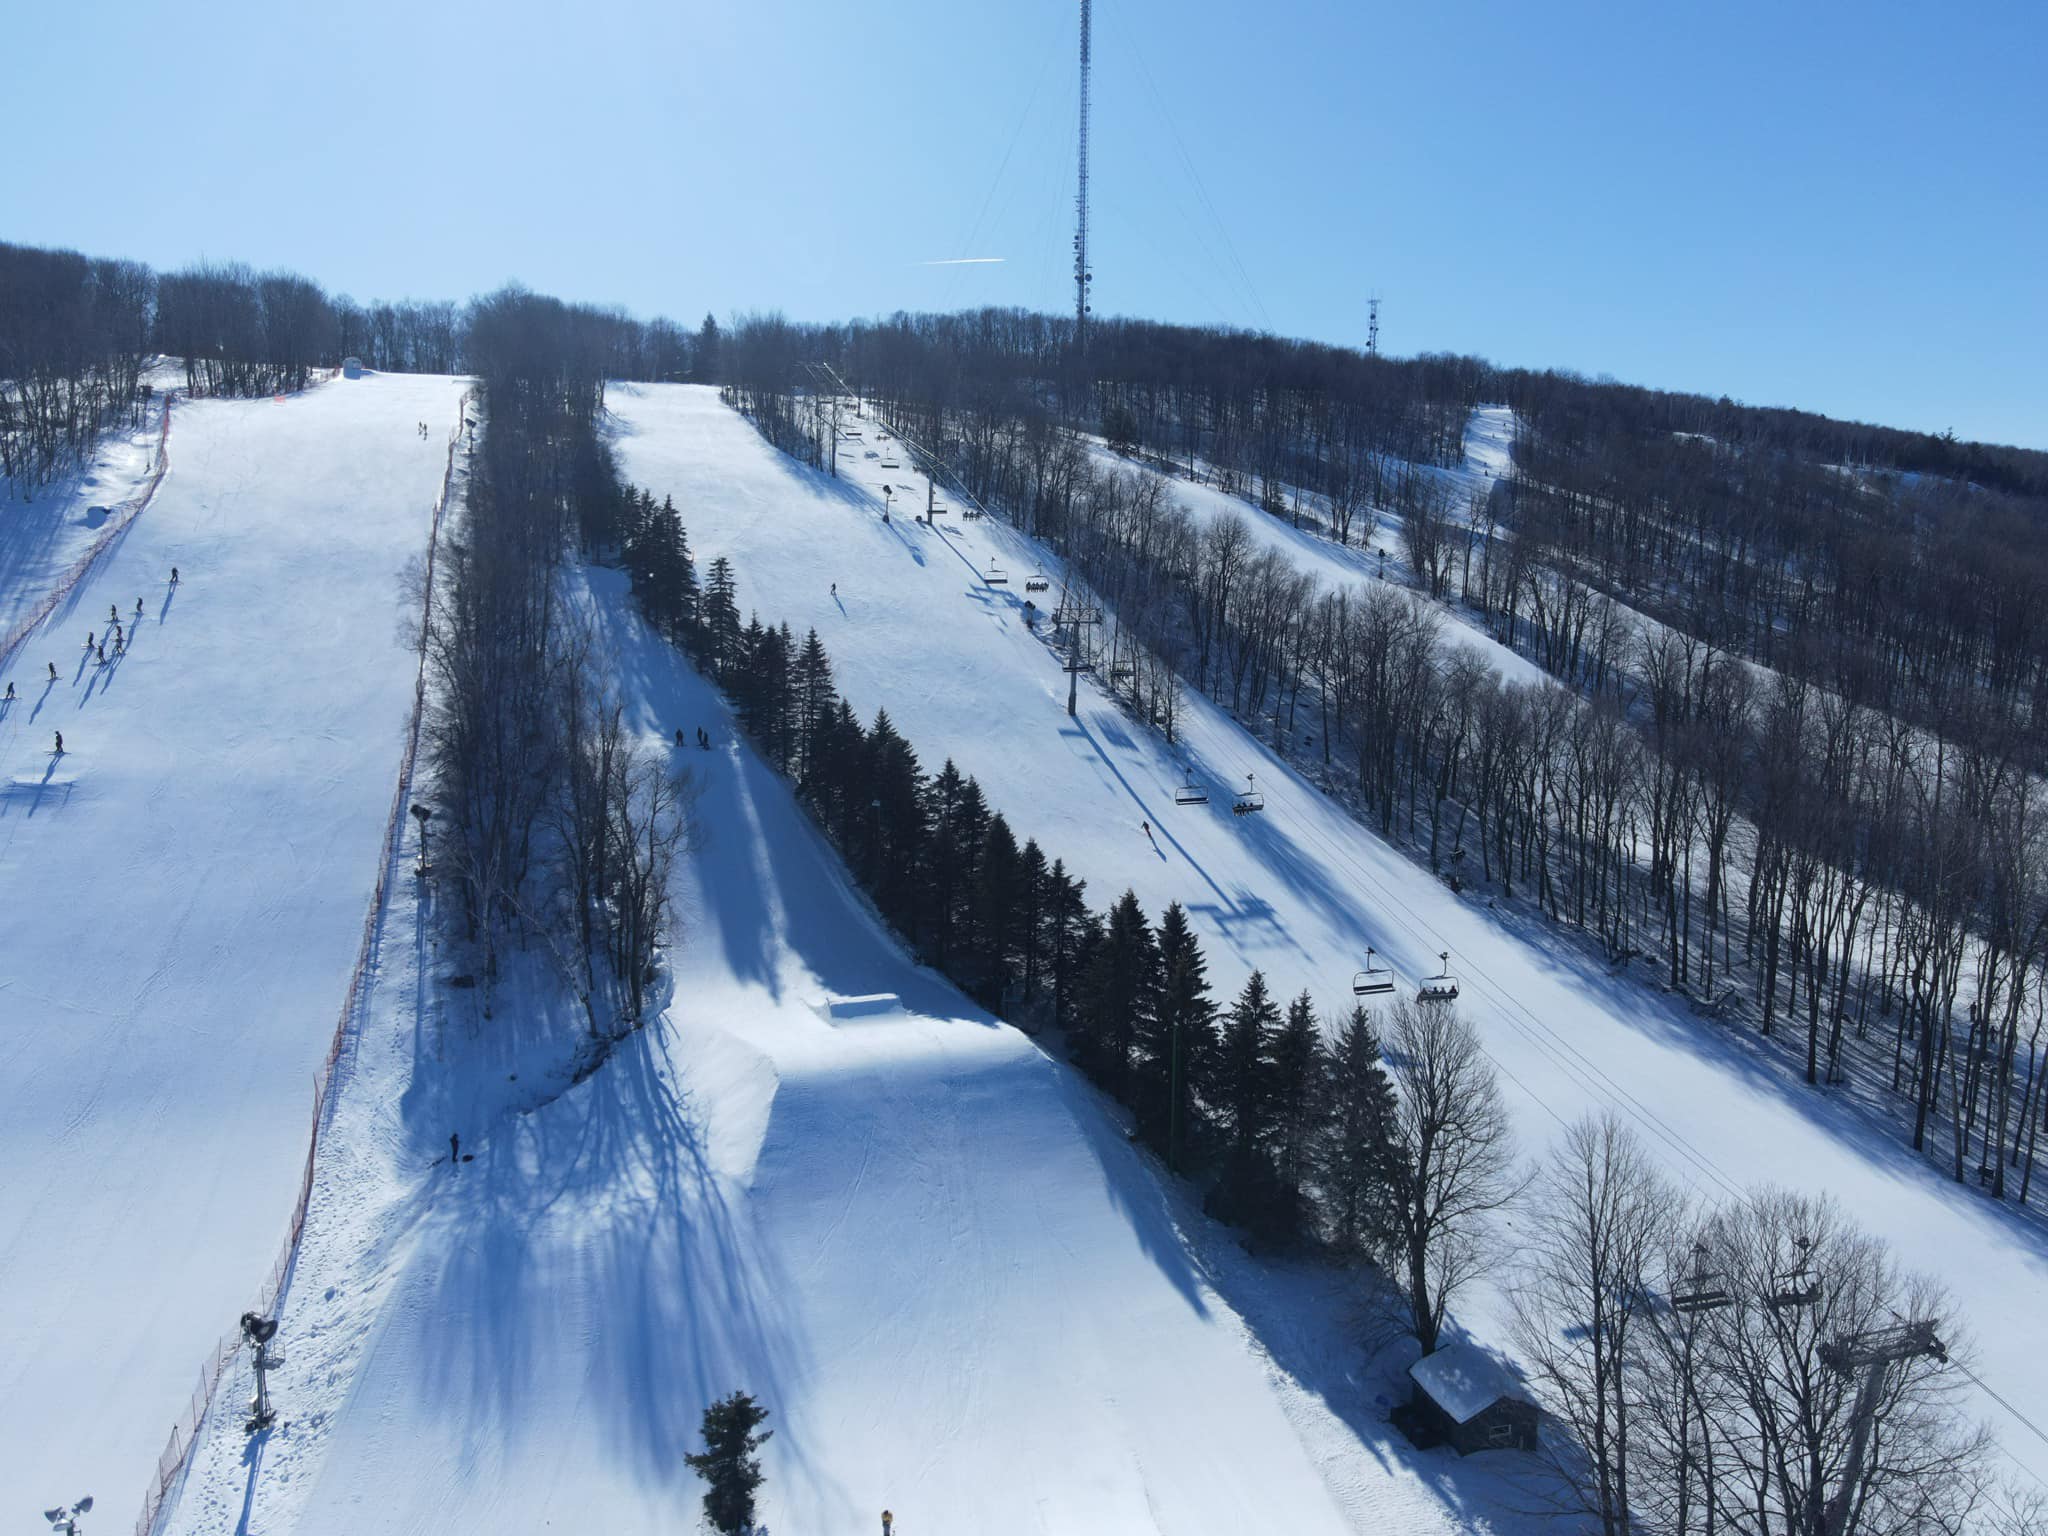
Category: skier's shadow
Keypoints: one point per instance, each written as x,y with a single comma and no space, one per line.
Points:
43,700
170,593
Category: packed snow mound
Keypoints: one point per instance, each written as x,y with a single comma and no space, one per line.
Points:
869,1006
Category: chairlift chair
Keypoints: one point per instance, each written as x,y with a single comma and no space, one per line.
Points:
1190,793
996,576
1703,1290
1249,800
1374,980
888,463
1440,988
1800,1287
1036,584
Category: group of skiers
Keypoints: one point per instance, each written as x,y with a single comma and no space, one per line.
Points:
703,740
96,646
423,431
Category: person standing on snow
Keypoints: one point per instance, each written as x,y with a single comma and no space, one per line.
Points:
888,1523
60,744
454,1150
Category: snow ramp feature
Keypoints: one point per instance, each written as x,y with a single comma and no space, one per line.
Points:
180,918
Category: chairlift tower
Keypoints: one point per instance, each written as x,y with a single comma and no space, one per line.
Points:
1073,616
1372,326
1873,1353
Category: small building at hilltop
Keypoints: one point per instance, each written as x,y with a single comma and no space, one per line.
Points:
351,367
1464,1398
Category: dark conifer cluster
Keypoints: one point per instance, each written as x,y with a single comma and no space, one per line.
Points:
1298,1136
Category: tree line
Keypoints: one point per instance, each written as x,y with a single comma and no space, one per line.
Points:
553,824
77,335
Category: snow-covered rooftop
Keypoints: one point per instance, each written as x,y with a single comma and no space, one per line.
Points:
1464,1380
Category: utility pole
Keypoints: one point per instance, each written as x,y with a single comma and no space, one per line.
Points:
1082,276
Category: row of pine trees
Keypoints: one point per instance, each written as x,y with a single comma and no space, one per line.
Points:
1295,1132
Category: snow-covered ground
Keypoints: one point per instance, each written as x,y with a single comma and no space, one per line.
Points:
1337,567
824,1178
184,893
1302,889
43,532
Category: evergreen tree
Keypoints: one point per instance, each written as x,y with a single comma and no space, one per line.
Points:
1035,888
721,608
730,1469
893,842
1068,934
812,698
1296,1106
1120,996
1176,1047
708,361
1242,1086
1355,1155
999,926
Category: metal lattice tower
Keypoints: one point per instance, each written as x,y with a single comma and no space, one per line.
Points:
1372,327
1082,276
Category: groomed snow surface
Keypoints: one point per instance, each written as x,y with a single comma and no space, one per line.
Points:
184,895
822,1177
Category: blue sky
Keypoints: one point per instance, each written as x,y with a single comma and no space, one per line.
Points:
1838,206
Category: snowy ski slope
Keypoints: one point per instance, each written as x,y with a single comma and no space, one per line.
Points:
825,1178
184,892
1301,890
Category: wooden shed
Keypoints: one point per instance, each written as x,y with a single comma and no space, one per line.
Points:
1464,1398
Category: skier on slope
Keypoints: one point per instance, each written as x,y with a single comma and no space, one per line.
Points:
679,736
174,575
10,690
103,653
60,744
113,614
454,1149
90,642
888,1523
53,671
138,607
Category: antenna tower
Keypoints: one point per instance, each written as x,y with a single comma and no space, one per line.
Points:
1372,326
1082,276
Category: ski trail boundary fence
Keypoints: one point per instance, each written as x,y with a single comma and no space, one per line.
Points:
171,1465
125,513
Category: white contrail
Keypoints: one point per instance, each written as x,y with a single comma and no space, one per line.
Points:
963,261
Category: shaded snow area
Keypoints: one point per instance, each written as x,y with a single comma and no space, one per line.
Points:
823,1177
43,531
1298,891
1343,567
184,895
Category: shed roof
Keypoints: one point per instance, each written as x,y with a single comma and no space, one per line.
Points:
1464,1380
